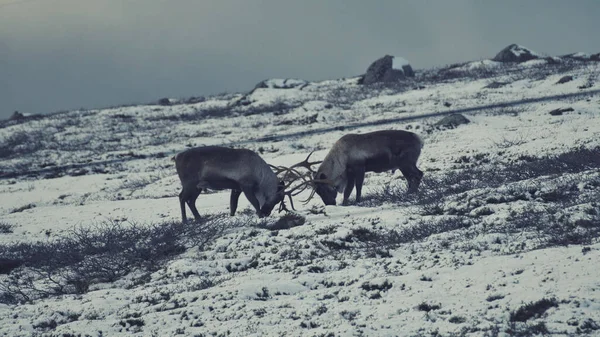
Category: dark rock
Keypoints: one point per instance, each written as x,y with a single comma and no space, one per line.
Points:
559,111
453,121
565,79
16,116
6,265
377,70
393,75
384,70
515,53
447,104
164,101
408,71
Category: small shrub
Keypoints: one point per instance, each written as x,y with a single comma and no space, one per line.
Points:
493,298
24,142
428,307
457,319
263,295
22,208
321,309
309,325
132,322
387,194
349,315
50,324
365,235
554,226
533,310
538,329
425,228
588,326
507,142
6,228
286,221
369,286
213,112
102,253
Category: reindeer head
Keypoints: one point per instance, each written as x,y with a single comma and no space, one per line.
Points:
267,208
325,189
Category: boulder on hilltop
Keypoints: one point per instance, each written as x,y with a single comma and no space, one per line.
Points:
16,116
388,69
516,53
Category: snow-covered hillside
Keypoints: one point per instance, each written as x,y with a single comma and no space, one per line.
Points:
503,238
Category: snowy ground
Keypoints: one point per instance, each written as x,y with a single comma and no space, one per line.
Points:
462,264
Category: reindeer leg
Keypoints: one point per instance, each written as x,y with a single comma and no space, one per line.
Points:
192,203
359,177
188,196
233,201
349,186
409,169
249,193
182,205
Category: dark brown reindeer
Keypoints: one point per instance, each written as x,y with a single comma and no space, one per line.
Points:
219,168
354,154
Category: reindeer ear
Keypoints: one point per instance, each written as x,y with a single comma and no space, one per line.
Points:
280,186
322,176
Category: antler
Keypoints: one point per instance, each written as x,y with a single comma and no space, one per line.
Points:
303,186
306,164
293,175
292,172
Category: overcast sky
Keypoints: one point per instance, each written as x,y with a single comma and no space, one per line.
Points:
68,54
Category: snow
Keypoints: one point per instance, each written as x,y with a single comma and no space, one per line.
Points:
279,83
533,63
581,55
399,62
299,282
482,64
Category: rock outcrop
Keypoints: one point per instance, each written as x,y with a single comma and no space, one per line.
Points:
516,53
388,69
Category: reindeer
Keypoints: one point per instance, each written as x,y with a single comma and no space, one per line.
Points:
219,168
354,154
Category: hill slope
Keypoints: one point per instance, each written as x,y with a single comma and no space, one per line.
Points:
503,236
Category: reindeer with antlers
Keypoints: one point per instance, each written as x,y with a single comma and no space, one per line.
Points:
354,154
242,170
219,168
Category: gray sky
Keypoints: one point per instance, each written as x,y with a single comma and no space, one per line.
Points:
68,54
